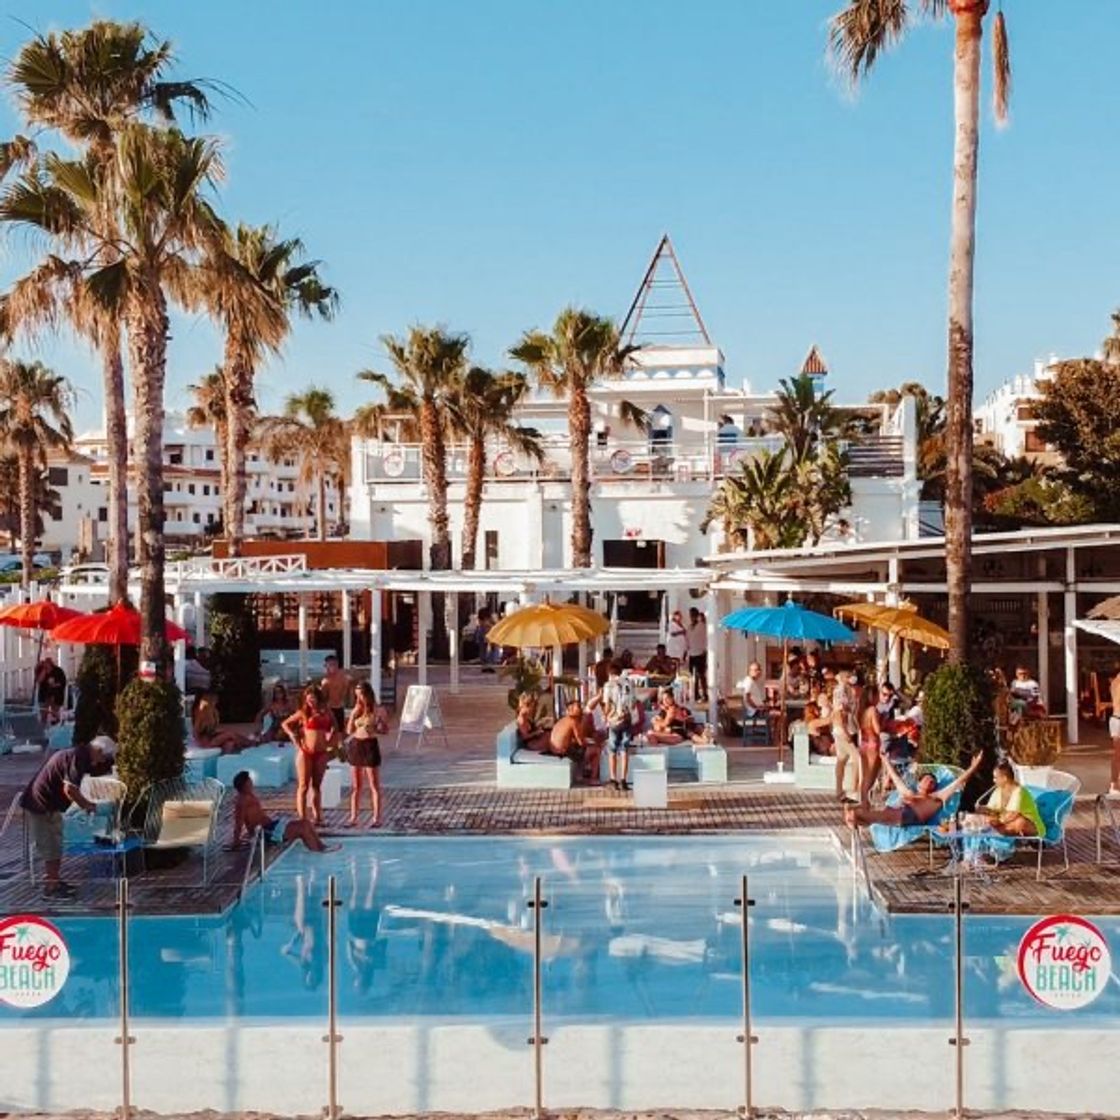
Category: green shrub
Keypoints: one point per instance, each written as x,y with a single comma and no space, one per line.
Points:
959,720
235,658
98,686
151,737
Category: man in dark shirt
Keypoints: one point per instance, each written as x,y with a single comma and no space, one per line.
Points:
50,793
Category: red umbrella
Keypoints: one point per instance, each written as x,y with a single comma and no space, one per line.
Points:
117,627
43,615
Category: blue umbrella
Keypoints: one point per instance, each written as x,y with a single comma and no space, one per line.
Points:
788,621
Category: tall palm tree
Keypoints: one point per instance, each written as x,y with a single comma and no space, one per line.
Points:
428,364
310,432
87,85
482,407
253,285
805,417
209,411
43,496
165,224
859,33
581,350
34,417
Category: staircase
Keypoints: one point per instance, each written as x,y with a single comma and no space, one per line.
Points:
640,638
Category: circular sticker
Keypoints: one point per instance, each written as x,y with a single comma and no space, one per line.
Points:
1064,962
34,961
504,465
392,462
622,461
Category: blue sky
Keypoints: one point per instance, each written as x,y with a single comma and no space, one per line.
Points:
481,164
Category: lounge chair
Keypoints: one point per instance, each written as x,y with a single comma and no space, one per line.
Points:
21,730
183,813
890,838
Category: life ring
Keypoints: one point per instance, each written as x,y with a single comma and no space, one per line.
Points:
622,462
504,465
392,462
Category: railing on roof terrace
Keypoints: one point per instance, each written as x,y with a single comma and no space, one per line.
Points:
612,460
238,567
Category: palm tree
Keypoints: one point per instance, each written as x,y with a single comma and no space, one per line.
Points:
209,411
165,224
482,407
428,364
34,407
756,505
88,85
310,432
582,349
859,33
805,418
253,284
43,496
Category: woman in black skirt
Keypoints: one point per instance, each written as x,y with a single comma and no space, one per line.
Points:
367,720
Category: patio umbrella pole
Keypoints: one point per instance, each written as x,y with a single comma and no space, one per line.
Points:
782,722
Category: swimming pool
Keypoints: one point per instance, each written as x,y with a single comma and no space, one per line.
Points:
641,982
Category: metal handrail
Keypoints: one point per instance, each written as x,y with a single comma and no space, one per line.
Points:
748,1038
537,904
1102,801
258,841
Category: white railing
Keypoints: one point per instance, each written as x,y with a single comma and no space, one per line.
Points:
239,567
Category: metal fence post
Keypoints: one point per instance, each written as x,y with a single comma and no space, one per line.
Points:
332,1038
537,1040
959,1040
747,1038
124,1040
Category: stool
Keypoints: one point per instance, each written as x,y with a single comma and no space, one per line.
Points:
331,789
651,789
202,762
711,764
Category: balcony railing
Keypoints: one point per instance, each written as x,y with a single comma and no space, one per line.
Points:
681,460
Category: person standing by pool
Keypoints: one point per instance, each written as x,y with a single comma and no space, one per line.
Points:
698,653
676,639
367,721
1114,732
50,689
313,730
844,730
50,793
617,708
336,686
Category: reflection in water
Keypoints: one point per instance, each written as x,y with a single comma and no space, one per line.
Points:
636,928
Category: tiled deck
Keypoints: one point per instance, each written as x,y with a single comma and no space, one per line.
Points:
437,789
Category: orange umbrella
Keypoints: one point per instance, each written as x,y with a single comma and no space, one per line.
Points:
117,627
43,615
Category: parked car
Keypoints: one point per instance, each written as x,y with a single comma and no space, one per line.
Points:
11,562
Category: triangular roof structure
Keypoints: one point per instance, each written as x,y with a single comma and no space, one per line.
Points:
814,364
663,311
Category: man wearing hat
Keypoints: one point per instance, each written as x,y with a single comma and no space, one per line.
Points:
51,792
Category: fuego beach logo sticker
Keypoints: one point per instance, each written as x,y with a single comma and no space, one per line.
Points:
34,961
1064,962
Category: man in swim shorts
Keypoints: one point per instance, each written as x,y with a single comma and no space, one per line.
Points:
916,806
249,814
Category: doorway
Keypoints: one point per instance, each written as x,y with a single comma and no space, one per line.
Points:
636,606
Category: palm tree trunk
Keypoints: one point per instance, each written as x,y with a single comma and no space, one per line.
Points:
147,346
116,440
579,436
321,504
27,513
472,500
238,377
435,478
221,431
962,251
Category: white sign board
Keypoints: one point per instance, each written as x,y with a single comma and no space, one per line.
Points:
420,712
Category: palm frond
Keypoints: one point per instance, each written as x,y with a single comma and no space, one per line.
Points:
862,30
1001,69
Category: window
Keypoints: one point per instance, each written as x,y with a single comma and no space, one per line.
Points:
1025,412
167,487
175,458
56,513
205,491
1034,442
209,454
58,476
490,548
190,487
196,518
102,513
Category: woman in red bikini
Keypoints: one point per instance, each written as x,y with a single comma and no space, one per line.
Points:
313,730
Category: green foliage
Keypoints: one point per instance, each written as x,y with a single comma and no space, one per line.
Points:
235,663
959,716
151,736
1039,501
97,681
526,675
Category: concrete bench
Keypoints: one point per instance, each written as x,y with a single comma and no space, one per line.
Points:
816,771
522,769
708,763
269,767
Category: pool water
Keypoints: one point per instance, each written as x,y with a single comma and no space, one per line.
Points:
636,928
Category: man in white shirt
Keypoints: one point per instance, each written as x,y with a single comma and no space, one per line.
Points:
698,653
754,691
1024,687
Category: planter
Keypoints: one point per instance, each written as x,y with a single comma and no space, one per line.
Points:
1037,776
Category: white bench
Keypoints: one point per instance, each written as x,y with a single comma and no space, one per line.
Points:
707,762
522,769
817,771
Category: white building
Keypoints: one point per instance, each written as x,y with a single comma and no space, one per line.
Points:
650,491
1005,419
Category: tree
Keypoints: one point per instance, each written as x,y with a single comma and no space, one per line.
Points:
482,407
164,224
582,350
43,497
34,407
1077,415
88,85
253,284
805,418
209,411
310,432
858,35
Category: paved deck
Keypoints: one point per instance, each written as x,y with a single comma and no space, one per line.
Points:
437,789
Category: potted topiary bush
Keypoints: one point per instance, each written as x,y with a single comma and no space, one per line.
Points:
150,735
235,657
958,719
101,675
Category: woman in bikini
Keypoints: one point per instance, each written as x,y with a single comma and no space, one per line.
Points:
208,732
870,744
313,730
363,751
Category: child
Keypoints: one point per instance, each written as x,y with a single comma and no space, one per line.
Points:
248,814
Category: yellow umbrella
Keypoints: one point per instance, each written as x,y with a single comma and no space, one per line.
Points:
543,625
902,622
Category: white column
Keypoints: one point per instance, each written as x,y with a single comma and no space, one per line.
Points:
599,602
1070,605
347,637
424,614
375,641
302,616
452,601
713,658
180,654
894,651
199,620
1043,624
581,599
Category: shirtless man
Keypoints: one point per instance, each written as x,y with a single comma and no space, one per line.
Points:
249,814
918,806
1114,732
336,686
567,739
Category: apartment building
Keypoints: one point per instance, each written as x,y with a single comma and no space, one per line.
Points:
1006,419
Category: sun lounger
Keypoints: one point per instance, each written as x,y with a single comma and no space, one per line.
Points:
889,838
183,814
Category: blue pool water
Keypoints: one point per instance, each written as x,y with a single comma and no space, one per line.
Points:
637,928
